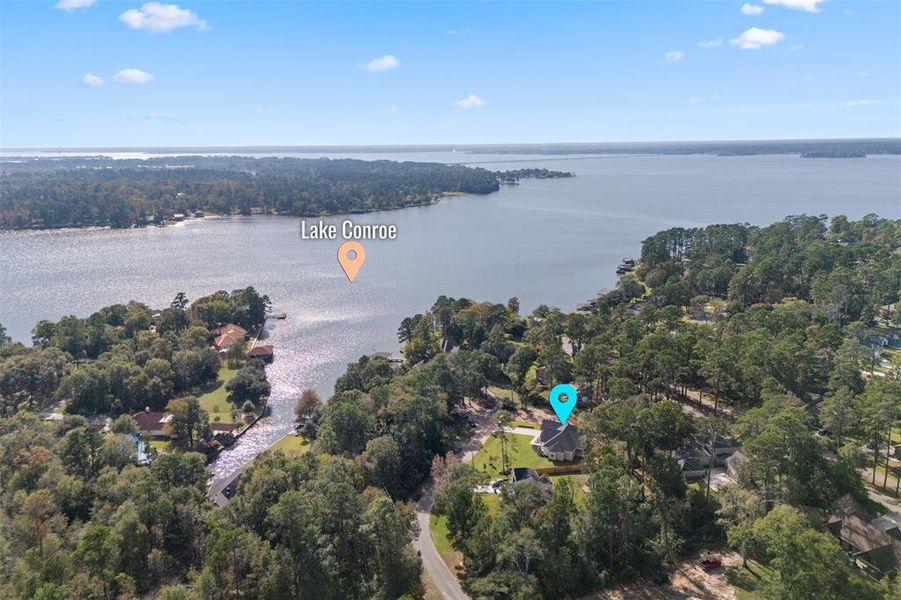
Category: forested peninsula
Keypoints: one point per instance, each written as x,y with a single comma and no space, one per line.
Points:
84,192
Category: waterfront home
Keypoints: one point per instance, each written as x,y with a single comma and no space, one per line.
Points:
153,423
558,442
874,544
229,335
627,266
235,331
224,342
262,352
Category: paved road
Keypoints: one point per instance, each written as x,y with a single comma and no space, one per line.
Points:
443,578
445,581
522,431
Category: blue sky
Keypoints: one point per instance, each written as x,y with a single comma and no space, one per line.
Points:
298,73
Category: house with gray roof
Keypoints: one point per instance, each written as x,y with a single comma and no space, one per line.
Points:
559,442
874,544
522,475
702,453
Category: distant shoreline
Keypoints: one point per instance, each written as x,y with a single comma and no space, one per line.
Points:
881,145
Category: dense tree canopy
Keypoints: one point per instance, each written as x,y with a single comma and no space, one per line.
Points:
126,358
121,193
770,332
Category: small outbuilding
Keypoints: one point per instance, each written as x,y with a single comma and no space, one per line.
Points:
523,475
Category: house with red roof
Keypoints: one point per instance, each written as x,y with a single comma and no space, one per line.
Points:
152,422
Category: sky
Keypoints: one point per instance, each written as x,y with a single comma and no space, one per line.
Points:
101,73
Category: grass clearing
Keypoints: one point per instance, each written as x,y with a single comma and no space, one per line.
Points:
506,395
160,445
519,452
748,582
215,401
292,445
440,536
493,502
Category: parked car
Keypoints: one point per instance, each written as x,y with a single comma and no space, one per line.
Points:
824,431
710,563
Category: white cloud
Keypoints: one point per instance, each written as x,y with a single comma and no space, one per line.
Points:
856,103
383,63
160,18
751,9
710,43
674,56
755,38
848,12
864,74
156,116
470,101
805,5
133,76
703,100
74,4
91,80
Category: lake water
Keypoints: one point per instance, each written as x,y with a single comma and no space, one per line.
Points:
554,242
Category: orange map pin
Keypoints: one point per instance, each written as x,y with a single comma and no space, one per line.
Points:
351,255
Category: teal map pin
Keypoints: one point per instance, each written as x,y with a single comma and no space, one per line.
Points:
563,398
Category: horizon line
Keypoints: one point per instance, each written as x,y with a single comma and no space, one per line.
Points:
437,145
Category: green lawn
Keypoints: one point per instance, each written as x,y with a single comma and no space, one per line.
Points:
505,394
519,452
214,401
526,424
160,445
748,583
493,502
438,528
292,445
